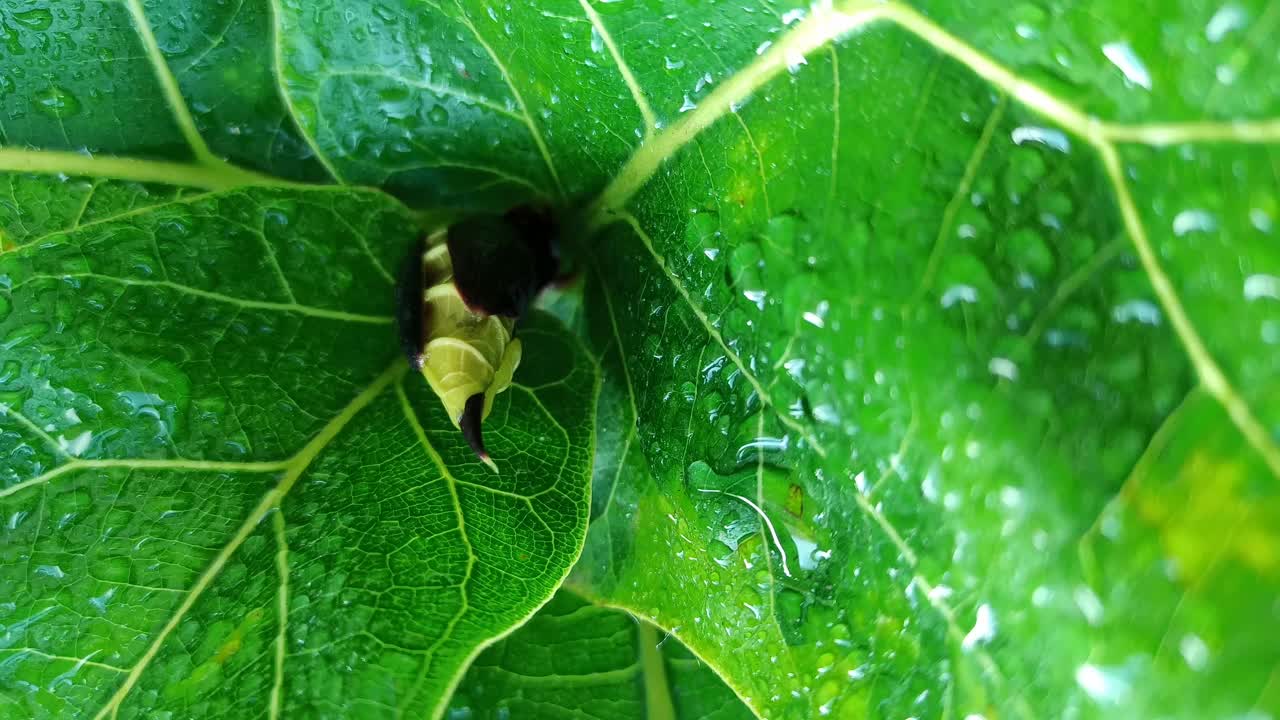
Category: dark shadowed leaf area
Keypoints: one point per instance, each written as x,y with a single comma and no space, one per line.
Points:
923,362
575,659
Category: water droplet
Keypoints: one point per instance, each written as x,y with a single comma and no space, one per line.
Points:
100,602
1049,137
57,102
759,445
1229,17
795,61
1260,220
142,403
1089,604
984,628
438,115
76,446
673,64
792,15
1261,286
757,297
1102,684
52,571
597,40
688,105
1003,367
959,294
38,19
1194,651
1142,311
1121,55
764,46
1193,220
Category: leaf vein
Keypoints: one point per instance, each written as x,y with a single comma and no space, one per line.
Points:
295,466
464,604
291,307
962,191
825,26
282,611
637,93
277,47
698,312
534,132
169,85
1211,375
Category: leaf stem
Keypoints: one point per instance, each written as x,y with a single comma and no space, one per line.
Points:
657,691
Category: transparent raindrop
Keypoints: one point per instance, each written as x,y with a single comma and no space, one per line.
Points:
1122,55
1229,17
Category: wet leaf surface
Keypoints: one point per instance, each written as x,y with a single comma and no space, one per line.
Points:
224,493
576,659
937,345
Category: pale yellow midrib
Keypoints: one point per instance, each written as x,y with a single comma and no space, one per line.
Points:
628,77
277,59
1211,375
169,85
247,303
282,613
658,703
294,467
1101,135
214,173
534,132
214,176
192,465
824,26
464,604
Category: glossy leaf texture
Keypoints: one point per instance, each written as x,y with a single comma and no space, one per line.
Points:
937,384
225,495
937,338
575,659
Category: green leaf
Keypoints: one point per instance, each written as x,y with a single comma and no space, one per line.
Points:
938,349
225,495
575,659
198,84
941,395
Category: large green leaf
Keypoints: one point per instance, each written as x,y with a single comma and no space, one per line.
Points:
941,395
574,660
938,354
224,495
